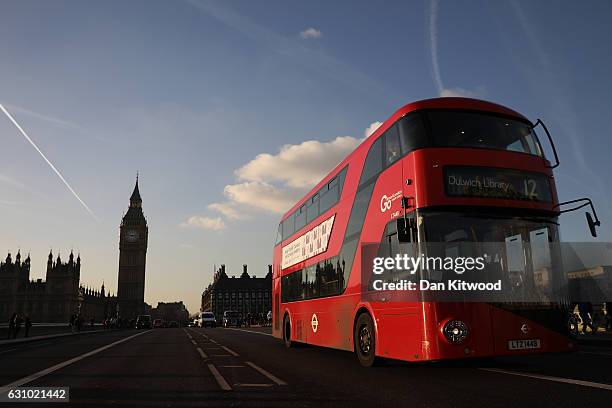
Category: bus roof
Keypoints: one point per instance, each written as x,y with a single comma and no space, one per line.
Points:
433,103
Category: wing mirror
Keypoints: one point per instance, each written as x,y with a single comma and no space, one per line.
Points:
592,224
584,202
406,229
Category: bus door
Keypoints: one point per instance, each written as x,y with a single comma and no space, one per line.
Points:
532,300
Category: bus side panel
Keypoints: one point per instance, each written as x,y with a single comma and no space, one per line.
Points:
277,318
328,321
399,331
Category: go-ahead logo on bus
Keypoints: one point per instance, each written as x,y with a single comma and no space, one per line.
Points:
308,245
387,201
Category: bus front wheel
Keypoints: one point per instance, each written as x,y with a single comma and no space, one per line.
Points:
287,331
364,339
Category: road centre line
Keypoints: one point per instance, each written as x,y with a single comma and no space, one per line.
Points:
232,352
194,343
35,376
551,378
202,353
220,380
266,373
249,331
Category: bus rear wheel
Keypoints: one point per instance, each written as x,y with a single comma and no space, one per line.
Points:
364,339
287,331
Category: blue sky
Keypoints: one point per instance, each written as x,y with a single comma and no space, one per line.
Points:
200,97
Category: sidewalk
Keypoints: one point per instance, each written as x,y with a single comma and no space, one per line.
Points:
22,340
599,339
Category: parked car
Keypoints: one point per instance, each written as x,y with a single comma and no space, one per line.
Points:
158,323
208,319
173,323
143,322
232,318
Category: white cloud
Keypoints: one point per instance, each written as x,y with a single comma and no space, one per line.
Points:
461,92
274,182
261,196
372,128
206,223
298,166
311,34
228,209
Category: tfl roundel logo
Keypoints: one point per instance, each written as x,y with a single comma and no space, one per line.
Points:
385,203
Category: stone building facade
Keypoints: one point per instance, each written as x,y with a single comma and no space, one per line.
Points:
53,300
245,294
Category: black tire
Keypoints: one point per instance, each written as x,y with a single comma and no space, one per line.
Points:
287,332
364,340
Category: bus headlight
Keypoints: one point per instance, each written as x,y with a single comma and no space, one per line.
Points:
455,331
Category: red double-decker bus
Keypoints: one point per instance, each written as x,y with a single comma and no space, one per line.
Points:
439,170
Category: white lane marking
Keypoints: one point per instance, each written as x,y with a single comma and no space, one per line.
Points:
194,343
250,331
214,341
66,363
202,353
8,351
266,373
220,380
232,352
253,385
551,378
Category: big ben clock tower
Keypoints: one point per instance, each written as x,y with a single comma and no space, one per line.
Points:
132,258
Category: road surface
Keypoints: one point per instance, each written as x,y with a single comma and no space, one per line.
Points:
240,367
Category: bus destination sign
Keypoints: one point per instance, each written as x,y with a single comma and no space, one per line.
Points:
491,182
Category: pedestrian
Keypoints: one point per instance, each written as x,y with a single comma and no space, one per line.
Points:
27,324
585,310
18,323
608,316
11,326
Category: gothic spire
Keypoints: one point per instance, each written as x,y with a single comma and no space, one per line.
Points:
135,200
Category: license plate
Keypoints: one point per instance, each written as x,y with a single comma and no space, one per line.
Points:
526,344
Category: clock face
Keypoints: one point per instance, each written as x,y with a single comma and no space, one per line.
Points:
131,235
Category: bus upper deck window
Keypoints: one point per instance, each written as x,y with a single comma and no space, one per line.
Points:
279,234
392,143
412,132
300,217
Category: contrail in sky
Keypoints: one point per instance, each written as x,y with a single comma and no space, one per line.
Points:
47,160
433,42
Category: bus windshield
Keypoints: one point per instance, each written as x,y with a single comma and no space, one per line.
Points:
522,252
476,129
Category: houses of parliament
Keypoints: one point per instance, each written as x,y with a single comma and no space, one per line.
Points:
61,294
